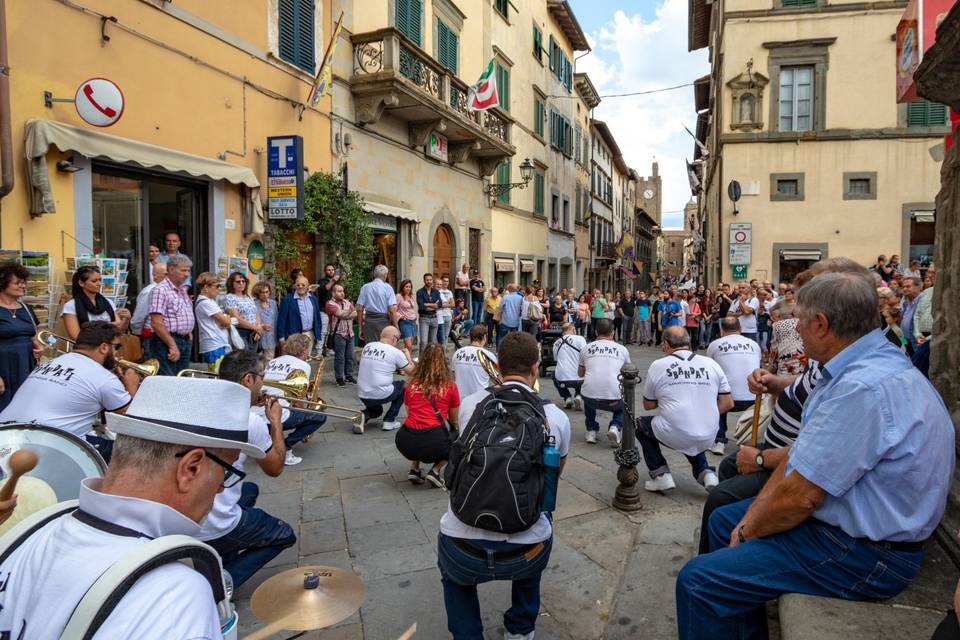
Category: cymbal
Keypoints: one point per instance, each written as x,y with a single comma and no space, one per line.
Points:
308,598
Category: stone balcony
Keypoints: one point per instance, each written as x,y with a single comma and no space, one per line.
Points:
392,74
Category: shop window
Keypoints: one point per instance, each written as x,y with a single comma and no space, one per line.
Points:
410,20
297,33
786,186
860,186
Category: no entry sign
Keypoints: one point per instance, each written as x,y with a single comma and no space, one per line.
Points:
99,102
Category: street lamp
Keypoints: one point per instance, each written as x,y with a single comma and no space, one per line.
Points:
526,172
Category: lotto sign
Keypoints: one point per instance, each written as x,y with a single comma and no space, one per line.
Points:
285,178
99,102
740,271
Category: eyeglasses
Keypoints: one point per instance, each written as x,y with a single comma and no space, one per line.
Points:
231,475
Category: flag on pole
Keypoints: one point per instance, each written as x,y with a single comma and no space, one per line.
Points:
324,82
483,95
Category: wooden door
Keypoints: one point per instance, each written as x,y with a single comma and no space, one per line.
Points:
443,252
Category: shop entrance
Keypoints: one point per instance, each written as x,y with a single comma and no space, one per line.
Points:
132,208
443,252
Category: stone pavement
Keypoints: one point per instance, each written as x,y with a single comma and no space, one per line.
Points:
611,575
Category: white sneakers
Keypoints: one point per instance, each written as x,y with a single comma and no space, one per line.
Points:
591,437
578,403
390,426
660,483
709,480
568,403
358,426
718,448
614,436
516,636
291,459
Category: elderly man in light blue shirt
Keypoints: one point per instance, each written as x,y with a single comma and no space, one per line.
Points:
510,311
376,305
846,515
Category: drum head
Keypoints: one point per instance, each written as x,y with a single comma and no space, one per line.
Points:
63,459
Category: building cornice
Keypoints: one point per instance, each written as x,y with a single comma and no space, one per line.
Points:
834,135
853,7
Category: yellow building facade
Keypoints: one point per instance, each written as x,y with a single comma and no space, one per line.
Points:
203,84
800,109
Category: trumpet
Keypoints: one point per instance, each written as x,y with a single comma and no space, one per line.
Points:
493,372
295,389
50,339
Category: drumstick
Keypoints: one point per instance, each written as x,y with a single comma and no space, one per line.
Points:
756,420
21,462
409,633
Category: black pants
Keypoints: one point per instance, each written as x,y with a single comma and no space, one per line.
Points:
738,405
694,333
949,629
733,488
423,445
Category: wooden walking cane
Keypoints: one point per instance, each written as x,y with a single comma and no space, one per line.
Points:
756,420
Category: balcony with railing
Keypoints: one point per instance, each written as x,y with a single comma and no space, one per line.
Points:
392,74
605,251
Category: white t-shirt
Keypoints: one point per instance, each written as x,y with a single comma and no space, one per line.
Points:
49,573
280,369
212,335
226,511
566,351
469,374
685,387
452,526
378,362
67,393
738,357
602,360
445,316
70,309
748,323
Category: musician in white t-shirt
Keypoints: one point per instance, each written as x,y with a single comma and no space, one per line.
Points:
690,391
470,376
71,390
566,373
600,365
296,352
738,356
375,384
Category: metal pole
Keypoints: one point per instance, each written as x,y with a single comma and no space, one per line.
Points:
627,496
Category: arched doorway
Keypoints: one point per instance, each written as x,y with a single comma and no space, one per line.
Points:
443,252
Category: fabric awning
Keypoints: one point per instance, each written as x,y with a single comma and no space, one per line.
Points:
924,216
42,134
787,254
504,264
390,210
527,266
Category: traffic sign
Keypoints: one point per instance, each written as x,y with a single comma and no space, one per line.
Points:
285,178
740,271
99,102
740,254
741,233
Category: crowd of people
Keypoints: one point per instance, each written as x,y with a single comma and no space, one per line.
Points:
850,476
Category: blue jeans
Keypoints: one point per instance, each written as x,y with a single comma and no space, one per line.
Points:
159,350
921,358
653,456
569,388
753,336
502,332
627,335
592,405
302,424
374,408
720,595
256,540
342,357
476,309
461,572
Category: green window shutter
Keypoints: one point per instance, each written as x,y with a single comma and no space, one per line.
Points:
501,6
578,205
568,79
503,177
923,113
286,12
538,116
503,87
537,43
553,54
447,44
297,34
538,194
409,20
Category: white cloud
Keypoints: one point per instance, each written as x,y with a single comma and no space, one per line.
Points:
629,55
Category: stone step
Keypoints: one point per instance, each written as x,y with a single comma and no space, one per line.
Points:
812,618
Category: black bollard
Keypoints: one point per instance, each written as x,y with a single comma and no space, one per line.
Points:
627,496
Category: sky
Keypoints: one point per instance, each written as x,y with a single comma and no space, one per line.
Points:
640,45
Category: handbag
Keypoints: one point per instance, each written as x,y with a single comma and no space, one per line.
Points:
236,340
452,433
744,426
328,343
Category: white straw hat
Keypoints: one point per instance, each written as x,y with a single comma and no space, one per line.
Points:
195,412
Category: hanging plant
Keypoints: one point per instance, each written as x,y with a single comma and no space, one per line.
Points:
336,217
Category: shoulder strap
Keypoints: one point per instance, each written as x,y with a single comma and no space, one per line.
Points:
564,343
18,534
436,411
103,596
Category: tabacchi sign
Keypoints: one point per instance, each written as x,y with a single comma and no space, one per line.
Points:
285,178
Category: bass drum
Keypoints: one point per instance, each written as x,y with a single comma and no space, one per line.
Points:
63,460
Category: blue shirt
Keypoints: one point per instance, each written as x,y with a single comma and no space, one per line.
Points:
510,309
643,309
909,307
668,319
877,438
377,297
424,298
305,307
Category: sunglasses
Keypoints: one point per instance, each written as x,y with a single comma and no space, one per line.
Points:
231,475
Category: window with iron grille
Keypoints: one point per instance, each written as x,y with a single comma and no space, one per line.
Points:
796,98
788,187
410,20
296,33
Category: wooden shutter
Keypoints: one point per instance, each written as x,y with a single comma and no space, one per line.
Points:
447,46
409,19
537,43
306,34
503,87
538,194
553,54
286,13
503,177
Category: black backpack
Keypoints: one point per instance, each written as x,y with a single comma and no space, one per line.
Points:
495,474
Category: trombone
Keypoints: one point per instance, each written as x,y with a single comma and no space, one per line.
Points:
295,389
50,339
494,373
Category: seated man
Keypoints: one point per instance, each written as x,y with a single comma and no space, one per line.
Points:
70,391
691,391
470,376
599,366
296,352
738,357
865,484
566,375
247,538
376,386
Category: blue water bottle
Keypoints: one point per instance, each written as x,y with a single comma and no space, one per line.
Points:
551,477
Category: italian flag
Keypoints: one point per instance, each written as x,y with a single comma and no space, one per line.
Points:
483,95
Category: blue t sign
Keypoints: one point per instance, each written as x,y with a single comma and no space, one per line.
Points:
285,178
